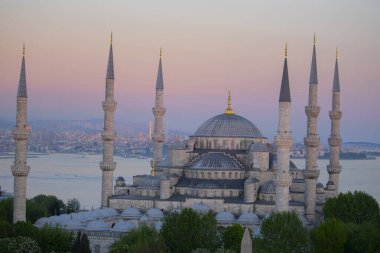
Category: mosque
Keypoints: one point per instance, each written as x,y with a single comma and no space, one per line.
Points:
226,166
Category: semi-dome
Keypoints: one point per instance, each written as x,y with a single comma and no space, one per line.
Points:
216,161
268,188
225,218
228,125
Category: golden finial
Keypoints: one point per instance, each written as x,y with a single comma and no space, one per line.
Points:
23,49
111,37
229,107
314,38
160,52
336,53
286,50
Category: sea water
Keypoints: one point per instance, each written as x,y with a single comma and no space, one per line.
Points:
79,176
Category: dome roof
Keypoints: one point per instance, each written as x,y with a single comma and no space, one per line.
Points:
155,214
216,161
228,125
201,208
320,185
97,225
268,188
73,224
131,213
225,218
41,222
144,218
248,219
123,226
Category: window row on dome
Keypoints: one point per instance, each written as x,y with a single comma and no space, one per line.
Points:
214,174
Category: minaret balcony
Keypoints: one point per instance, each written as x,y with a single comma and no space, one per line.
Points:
283,140
311,141
334,169
20,170
109,106
335,141
21,133
107,166
158,111
312,111
311,174
108,135
335,114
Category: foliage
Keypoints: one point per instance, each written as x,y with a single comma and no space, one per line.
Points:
282,232
19,245
329,237
5,229
51,204
81,244
54,239
219,250
357,207
232,237
34,211
25,229
73,205
188,230
144,239
6,209
363,237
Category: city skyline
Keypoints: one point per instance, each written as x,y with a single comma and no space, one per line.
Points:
207,50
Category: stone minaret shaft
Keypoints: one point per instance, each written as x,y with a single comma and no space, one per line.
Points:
334,168
283,142
20,169
311,172
108,134
159,112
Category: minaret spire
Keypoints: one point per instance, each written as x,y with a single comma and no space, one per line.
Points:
108,134
334,168
159,112
311,141
20,169
283,142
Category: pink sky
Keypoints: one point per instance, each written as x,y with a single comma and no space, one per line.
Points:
209,47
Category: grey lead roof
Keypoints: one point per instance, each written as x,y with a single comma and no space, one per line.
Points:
110,71
285,90
160,79
228,125
336,84
22,92
216,161
211,183
313,70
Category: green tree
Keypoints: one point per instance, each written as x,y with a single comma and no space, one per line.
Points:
51,204
329,237
357,207
282,232
144,239
19,245
34,211
73,205
25,229
232,237
6,209
5,229
363,237
55,239
188,230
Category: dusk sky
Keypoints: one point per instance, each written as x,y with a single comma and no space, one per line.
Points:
209,47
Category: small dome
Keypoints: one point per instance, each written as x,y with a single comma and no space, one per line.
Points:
97,225
131,213
144,218
120,179
158,225
216,161
123,226
155,214
57,221
176,211
320,185
268,188
105,212
73,224
228,125
201,208
225,218
248,219
41,222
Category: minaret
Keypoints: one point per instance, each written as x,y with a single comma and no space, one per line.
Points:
159,112
283,142
20,169
108,134
311,172
334,168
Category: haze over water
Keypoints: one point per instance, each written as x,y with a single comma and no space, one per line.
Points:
76,176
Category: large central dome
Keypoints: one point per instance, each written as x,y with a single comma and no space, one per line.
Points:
228,125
